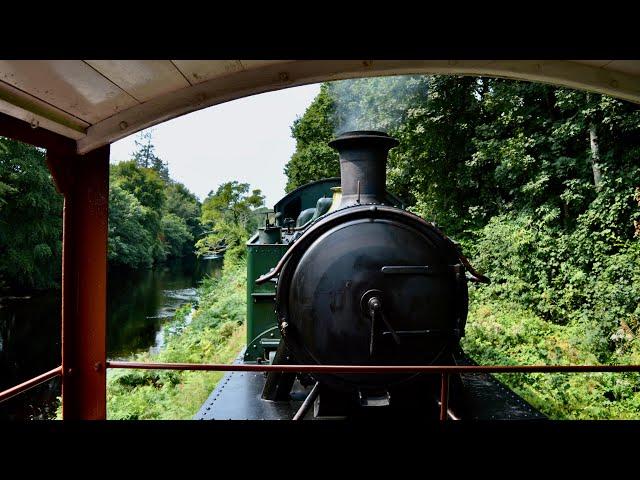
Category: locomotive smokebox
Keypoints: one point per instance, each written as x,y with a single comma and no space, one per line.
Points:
363,165
369,284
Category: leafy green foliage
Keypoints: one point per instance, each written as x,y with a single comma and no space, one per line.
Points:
184,204
30,219
130,243
176,236
230,217
146,186
145,155
313,159
541,187
504,333
151,217
215,334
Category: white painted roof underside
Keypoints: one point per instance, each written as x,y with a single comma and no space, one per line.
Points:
97,102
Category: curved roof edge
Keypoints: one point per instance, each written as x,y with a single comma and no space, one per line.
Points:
97,102
571,74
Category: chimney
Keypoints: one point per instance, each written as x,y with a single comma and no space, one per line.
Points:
363,165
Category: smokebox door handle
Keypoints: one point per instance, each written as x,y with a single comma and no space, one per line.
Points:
412,270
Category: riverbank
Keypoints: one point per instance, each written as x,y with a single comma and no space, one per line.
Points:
139,304
214,332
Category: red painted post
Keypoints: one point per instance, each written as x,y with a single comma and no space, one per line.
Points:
84,181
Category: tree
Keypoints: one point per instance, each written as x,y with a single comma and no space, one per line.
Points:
30,218
177,238
149,190
152,219
184,204
146,157
430,169
313,158
232,203
130,242
228,215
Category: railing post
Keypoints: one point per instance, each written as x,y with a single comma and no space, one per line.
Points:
84,181
444,395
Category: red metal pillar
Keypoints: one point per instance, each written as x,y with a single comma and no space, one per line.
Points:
84,181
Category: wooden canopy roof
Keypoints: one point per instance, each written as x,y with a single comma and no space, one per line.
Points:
96,102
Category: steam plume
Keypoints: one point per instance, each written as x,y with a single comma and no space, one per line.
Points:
378,103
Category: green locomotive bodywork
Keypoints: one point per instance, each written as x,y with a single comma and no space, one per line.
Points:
263,334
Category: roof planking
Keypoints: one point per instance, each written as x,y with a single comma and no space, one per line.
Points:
97,102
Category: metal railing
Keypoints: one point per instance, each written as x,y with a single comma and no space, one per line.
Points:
29,384
443,370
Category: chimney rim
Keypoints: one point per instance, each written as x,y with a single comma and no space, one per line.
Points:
366,135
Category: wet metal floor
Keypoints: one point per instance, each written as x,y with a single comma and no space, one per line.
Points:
238,397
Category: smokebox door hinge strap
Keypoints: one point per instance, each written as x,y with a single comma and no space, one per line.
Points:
474,275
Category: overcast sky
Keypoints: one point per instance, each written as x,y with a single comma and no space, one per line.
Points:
247,140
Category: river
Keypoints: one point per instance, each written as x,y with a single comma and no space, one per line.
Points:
139,303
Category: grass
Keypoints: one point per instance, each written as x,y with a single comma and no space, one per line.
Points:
499,332
216,334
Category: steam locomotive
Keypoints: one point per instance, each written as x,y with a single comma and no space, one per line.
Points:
345,275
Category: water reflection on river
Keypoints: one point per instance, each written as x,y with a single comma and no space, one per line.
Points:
138,304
